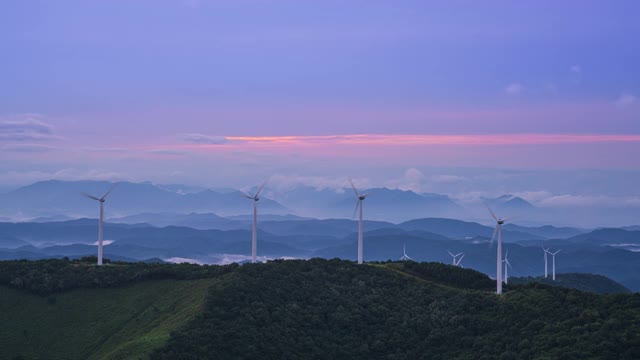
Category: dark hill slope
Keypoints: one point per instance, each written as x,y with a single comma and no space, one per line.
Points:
334,309
586,282
316,309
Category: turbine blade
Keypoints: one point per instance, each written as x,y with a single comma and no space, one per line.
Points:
109,192
458,254
354,188
495,231
260,189
356,209
90,196
244,195
509,264
451,253
460,260
491,211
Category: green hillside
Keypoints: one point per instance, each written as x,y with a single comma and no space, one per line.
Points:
321,309
121,323
315,309
586,282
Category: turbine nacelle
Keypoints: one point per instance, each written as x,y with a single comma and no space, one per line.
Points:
255,197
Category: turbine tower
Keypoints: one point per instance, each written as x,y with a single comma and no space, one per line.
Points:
360,197
553,255
459,261
254,237
405,257
100,224
454,263
498,231
546,267
507,265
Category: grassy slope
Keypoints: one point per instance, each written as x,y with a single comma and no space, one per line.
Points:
120,323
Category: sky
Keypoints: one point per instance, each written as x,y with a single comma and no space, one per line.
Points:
539,98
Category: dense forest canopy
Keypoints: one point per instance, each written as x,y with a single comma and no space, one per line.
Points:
336,309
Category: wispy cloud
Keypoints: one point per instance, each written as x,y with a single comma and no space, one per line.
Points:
410,140
626,99
26,127
204,139
106,149
514,89
26,177
168,151
28,148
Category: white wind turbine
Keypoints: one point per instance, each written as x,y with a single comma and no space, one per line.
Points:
507,265
405,257
546,267
455,257
361,197
459,261
100,222
498,230
553,255
254,238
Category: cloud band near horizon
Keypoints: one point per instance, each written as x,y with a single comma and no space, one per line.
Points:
423,139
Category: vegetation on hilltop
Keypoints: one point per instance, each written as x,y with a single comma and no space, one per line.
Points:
334,309
316,309
45,277
585,282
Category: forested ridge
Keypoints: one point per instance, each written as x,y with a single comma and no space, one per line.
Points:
44,277
586,282
336,309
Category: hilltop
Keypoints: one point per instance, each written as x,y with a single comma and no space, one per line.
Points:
586,282
321,309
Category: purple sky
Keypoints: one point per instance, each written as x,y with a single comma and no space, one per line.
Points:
203,92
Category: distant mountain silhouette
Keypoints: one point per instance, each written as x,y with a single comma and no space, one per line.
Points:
547,231
52,198
458,229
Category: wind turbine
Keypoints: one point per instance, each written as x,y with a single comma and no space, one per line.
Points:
498,230
455,257
546,267
459,261
358,205
100,225
554,263
405,257
254,237
507,265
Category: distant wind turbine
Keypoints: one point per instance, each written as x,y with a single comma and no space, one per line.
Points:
498,231
254,238
100,223
455,257
459,261
546,267
405,257
360,197
507,265
553,255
